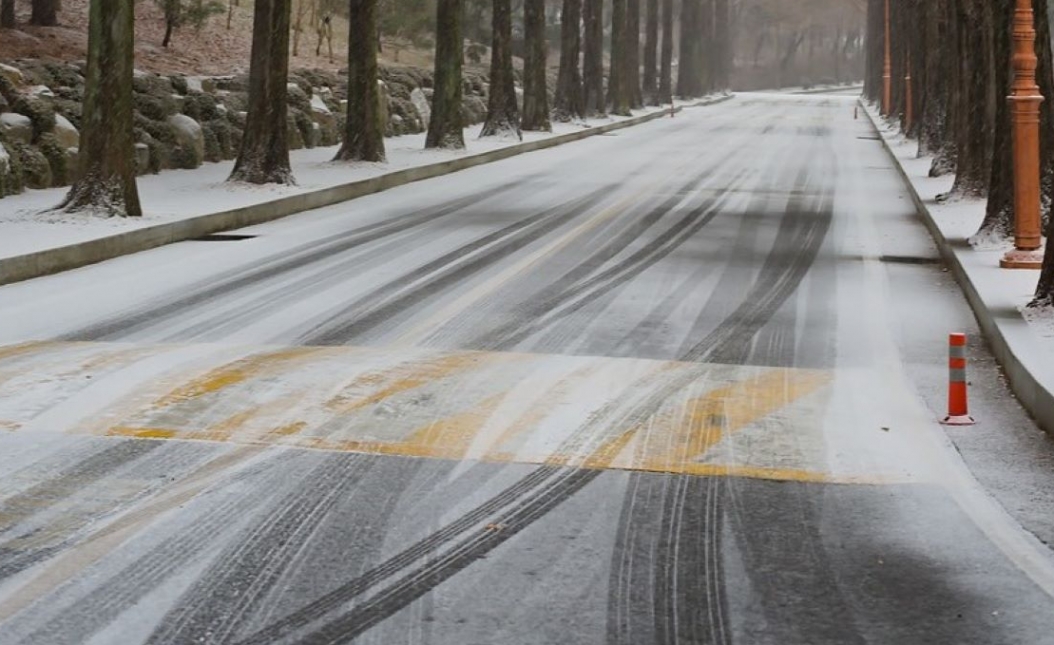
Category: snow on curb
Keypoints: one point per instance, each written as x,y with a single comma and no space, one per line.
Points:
65,258
996,296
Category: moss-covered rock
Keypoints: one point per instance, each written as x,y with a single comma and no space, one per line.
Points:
155,108
200,106
306,126
57,158
296,140
179,84
152,84
11,182
298,98
235,101
39,112
222,131
36,171
63,75
156,152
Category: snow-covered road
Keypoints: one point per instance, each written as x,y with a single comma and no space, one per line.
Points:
661,386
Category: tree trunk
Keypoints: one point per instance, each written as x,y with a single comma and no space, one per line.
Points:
7,14
593,62
723,44
363,135
704,48
666,57
1045,72
568,103
264,154
650,87
687,72
535,93
106,177
503,118
618,99
977,100
445,129
999,211
45,13
636,99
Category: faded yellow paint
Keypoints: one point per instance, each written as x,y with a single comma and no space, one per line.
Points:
19,349
405,377
234,373
142,433
678,438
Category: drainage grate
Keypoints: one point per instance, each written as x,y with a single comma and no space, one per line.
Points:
869,138
222,237
908,259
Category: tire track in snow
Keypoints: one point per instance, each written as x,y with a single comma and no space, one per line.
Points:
434,278
209,292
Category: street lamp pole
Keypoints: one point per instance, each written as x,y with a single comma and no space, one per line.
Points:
887,72
1025,100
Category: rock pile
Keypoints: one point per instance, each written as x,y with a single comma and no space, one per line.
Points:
184,121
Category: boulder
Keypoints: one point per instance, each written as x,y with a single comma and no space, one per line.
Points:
66,135
423,105
13,75
36,171
142,158
325,122
189,138
16,128
40,90
10,172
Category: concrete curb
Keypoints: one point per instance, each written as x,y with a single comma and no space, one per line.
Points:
1021,363
64,258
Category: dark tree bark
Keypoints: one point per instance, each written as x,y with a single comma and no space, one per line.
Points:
650,85
687,68
593,60
633,90
999,211
619,93
943,139
704,49
445,129
722,79
7,14
363,134
873,55
977,100
45,13
569,103
106,177
171,10
535,96
666,57
264,154
503,118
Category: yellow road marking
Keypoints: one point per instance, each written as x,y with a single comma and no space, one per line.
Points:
405,377
237,372
720,412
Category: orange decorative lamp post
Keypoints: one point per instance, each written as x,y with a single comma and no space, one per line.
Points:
1025,100
887,72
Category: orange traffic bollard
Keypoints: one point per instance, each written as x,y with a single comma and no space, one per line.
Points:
958,409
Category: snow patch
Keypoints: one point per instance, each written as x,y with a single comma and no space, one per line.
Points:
990,240
1040,318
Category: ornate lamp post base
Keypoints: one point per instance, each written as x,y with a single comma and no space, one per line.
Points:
1019,259
1025,100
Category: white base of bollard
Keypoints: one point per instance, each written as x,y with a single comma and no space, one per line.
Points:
965,420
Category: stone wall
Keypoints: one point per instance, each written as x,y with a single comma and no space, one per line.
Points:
182,122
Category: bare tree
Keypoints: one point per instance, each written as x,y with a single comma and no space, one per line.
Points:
503,115
106,180
445,129
569,102
363,135
535,95
264,154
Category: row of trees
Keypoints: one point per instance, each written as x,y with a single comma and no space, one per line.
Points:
107,168
958,55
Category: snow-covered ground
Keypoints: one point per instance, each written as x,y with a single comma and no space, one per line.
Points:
1005,292
27,225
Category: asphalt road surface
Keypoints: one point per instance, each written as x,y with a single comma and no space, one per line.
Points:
649,388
